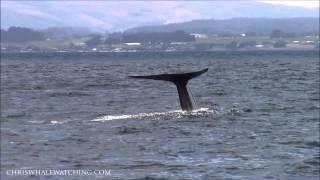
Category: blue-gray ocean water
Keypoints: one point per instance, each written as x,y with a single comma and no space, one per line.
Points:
257,116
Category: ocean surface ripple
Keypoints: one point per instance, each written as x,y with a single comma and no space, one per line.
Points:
258,115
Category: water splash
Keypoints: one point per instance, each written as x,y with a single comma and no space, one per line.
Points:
157,115
56,122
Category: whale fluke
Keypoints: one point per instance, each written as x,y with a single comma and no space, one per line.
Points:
181,81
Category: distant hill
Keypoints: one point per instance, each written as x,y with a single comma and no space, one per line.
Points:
21,35
259,26
149,37
65,32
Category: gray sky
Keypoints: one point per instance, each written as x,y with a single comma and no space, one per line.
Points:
119,15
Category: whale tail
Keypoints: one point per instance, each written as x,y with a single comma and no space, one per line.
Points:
181,81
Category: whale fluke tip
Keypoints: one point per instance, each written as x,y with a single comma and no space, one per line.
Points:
180,80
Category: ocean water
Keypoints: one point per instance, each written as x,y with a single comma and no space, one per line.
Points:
257,116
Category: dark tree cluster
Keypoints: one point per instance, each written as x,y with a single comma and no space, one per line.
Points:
94,41
247,44
281,34
21,35
232,45
150,37
280,44
114,38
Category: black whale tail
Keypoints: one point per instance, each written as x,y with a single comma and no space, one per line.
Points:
181,81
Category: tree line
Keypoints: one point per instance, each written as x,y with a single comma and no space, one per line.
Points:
20,35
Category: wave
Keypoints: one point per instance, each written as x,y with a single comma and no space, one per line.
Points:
157,115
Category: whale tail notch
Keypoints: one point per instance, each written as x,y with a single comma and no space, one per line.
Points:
181,81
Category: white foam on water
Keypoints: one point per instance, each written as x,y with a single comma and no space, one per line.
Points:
176,113
56,122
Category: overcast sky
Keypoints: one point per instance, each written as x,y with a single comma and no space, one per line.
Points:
298,3
119,15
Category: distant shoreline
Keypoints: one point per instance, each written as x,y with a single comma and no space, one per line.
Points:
186,51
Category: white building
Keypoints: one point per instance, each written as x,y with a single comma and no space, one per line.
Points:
199,36
133,44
